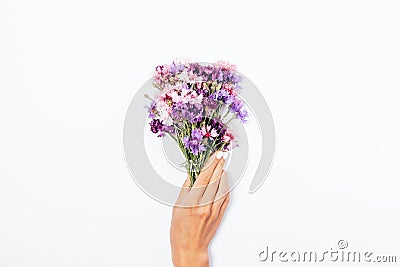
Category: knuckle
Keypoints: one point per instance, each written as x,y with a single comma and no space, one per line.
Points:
207,167
203,176
202,213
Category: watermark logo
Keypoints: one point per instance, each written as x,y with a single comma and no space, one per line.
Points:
154,162
342,244
340,254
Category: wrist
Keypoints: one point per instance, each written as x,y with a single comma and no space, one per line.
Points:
190,258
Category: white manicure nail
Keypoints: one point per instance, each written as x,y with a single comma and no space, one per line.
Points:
225,155
219,154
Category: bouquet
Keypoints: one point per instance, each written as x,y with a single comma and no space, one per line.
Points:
194,105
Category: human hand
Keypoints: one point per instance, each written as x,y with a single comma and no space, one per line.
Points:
198,213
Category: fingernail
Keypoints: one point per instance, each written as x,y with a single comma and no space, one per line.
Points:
219,154
225,155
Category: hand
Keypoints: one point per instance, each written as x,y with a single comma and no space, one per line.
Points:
198,213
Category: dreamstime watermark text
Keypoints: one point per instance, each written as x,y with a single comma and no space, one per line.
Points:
341,253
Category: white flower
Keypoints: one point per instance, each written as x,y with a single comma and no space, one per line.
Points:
182,60
184,76
195,99
163,109
175,96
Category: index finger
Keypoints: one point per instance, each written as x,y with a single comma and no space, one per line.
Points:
184,191
202,183
208,169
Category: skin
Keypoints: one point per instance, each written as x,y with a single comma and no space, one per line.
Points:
197,214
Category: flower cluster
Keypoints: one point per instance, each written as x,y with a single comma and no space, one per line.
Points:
194,106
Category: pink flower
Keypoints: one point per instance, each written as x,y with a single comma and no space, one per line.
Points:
179,93
208,132
225,65
229,88
193,78
228,137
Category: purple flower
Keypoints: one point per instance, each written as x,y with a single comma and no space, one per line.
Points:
175,68
236,105
242,115
237,108
210,103
156,127
192,112
223,96
194,143
152,109
168,129
202,91
186,141
235,78
172,68
220,76
178,111
196,134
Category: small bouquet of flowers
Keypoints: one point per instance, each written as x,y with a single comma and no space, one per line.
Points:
194,105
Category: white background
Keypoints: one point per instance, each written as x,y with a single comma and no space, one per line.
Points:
68,70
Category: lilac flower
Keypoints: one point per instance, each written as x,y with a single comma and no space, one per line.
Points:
178,110
192,112
237,108
242,115
220,76
235,78
175,68
172,68
194,67
210,103
236,105
186,141
168,129
208,70
194,143
196,134
152,109
223,96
